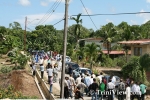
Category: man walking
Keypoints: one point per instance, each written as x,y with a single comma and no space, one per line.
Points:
110,88
42,70
143,91
49,72
121,89
94,88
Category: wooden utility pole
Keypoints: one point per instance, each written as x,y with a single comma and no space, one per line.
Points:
64,49
25,34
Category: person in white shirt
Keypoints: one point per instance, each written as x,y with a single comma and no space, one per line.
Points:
93,75
78,80
110,88
100,77
128,92
134,91
91,79
49,72
34,68
41,61
82,87
59,63
42,70
114,79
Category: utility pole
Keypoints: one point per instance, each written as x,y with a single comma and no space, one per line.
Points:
64,49
25,34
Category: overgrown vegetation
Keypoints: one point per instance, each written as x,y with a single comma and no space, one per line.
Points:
135,70
10,93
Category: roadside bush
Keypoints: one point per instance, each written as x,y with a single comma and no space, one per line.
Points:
107,61
11,94
120,61
95,72
5,69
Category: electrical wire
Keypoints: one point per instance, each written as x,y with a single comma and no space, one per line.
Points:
58,22
88,14
114,14
50,12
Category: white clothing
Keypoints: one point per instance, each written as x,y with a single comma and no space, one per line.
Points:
93,75
34,67
78,80
41,61
59,63
91,80
128,93
50,72
114,79
134,88
82,87
100,78
138,90
110,85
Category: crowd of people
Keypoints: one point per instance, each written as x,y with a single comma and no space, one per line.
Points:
97,86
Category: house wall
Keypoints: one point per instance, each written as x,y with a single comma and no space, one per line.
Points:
145,49
98,43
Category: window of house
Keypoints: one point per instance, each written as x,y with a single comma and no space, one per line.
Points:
137,51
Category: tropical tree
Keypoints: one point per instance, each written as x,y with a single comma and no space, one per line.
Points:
91,52
77,30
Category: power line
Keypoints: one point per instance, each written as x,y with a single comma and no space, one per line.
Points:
88,15
114,14
50,12
58,22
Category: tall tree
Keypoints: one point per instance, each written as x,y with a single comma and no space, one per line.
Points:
77,30
108,33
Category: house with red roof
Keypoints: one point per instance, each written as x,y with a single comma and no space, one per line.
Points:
99,41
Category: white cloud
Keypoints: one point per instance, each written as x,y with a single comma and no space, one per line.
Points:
44,3
108,20
133,22
145,16
33,20
24,2
148,1
85,10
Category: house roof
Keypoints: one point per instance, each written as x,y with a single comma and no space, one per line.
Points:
116,52
139,42
92,39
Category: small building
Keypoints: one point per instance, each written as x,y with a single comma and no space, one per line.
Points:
100,42
138,47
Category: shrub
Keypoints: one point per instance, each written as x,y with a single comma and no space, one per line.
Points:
11,94
95,72
5,69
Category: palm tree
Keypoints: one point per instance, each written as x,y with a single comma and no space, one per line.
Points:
91,51
80,53
108,32
77,30
145,64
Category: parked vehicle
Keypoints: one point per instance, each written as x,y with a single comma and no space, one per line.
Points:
82,71
72,64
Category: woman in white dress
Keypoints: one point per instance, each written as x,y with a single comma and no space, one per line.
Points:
128,92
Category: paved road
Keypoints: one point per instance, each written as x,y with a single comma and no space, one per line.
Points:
57,86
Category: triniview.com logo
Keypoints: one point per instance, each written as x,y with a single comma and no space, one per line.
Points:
110,92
